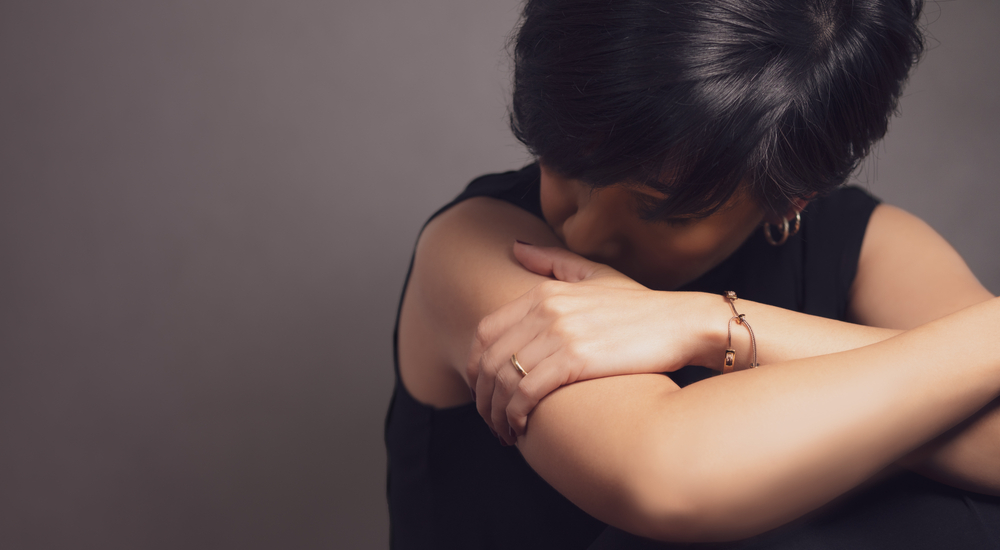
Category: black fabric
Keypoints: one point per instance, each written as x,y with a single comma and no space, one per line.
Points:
905,511
451,484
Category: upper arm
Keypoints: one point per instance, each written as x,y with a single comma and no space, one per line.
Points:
908,275
464,270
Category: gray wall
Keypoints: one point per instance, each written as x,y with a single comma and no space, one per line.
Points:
206,212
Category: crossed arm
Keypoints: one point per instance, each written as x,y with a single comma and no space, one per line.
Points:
697,463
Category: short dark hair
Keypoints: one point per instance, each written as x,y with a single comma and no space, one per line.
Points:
696,98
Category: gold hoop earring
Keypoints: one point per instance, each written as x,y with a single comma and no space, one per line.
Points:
785,231
784,234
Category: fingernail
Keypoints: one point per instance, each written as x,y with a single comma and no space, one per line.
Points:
510,430
522,242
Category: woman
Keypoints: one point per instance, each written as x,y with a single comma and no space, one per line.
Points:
668,134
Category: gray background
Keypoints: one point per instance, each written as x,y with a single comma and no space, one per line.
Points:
206,213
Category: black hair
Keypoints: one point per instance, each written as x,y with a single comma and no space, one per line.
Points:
696,98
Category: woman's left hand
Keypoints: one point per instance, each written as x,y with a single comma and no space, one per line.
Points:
589,322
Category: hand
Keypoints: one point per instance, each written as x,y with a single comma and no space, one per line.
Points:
589,322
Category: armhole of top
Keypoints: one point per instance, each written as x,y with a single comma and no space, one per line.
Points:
857,212
514,187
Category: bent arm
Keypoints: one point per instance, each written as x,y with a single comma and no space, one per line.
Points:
735,455
889,295
967,456
909,275
697,463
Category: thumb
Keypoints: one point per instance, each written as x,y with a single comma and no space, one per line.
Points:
555,262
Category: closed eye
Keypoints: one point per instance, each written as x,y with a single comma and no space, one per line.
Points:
647,207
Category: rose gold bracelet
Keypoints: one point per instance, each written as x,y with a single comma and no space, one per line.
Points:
730,363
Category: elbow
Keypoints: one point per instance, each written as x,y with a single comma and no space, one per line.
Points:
691,505
688,518
664,514
679,516
661,506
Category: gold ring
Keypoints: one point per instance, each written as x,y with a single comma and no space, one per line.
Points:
520,369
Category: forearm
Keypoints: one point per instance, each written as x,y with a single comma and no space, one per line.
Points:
736,455
967,456
782,335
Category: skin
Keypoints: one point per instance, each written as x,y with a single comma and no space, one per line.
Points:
602,225
833,404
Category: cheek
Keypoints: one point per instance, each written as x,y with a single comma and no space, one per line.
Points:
686,243
697,242
688,251
708,244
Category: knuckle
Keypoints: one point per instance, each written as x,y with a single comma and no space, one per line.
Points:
525,392
501,381
553,306
488,365
549,288
484,332
575,350
561,328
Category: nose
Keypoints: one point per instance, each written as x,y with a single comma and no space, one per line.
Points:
591,230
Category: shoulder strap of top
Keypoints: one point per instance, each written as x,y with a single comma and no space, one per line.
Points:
837,225
518,187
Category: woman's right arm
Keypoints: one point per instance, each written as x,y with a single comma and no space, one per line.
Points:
725,458
736,455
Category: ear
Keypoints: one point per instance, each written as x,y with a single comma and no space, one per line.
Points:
797,205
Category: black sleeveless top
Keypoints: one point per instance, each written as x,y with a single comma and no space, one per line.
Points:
451,484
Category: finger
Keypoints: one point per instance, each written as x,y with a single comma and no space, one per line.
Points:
490,329
488,370
555,262
545,378
498,374
508,377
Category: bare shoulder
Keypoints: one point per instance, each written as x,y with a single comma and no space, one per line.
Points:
908,274
463,270
468,250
